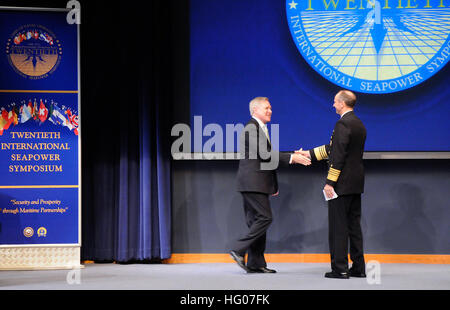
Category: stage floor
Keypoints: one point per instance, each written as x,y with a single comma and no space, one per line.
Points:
289,276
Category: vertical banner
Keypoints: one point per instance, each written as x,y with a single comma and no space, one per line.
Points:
39,129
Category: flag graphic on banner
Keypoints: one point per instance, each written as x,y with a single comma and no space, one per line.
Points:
7,116
73,120
35,110
3,122
40,113
58,117
43,112
25,113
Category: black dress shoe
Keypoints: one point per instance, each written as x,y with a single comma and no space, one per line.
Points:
239,259
261,270
336,275
356,273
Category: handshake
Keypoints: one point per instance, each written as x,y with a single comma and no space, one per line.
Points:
301,157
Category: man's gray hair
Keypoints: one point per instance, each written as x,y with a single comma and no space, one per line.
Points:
255,102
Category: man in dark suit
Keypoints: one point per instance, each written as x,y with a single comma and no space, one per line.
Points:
256,180
346,179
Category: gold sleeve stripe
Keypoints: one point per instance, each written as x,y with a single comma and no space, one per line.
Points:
317,153
333,174
334,171
320,152
323,150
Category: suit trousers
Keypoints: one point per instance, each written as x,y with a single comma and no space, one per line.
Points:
258,217
344,224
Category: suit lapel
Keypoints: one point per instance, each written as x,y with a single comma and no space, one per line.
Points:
261,133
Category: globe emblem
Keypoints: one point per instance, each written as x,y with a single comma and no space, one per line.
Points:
372,46
33,51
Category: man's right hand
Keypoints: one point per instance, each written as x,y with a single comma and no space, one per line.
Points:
300,159
304,153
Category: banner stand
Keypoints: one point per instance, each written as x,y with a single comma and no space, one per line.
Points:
40,139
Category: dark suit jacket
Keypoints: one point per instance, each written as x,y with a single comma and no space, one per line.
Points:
256,156
344,154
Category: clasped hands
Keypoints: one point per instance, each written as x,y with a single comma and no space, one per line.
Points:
301,157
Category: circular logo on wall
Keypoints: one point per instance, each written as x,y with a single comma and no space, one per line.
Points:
28,232
34,51
372,46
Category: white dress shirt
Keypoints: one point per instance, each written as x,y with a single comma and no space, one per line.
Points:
263,127
266,131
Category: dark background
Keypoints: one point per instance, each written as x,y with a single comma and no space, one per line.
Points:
405,209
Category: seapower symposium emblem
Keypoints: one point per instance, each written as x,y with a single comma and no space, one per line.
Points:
34,51
372,46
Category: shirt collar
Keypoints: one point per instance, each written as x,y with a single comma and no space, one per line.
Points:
261,124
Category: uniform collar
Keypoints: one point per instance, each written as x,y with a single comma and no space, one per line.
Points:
346,113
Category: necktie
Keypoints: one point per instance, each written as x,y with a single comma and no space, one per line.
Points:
266,131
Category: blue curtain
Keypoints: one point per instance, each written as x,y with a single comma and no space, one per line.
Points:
125,119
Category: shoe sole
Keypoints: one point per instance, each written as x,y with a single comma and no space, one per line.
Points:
334,277
357,276
238,261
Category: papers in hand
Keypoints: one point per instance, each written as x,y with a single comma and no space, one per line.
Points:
326,198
